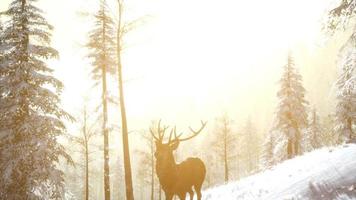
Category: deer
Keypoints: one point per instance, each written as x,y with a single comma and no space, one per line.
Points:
177,179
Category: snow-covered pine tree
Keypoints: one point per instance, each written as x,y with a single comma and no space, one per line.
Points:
30,115
342,17
281,142
102,46
306,141
223,142
250,145
314,135
266,159
329,136
346,92
291,115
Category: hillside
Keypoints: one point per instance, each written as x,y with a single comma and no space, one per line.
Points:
327,173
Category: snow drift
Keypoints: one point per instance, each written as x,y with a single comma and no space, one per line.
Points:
324,174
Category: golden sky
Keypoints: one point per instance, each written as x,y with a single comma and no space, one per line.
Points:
195,59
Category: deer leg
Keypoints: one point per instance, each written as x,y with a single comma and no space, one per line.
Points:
169,196
191,194
182,195
197,189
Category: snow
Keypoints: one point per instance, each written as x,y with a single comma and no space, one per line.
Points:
327,173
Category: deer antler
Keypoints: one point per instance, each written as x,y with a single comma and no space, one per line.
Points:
170,135
173,132
177,137
160,131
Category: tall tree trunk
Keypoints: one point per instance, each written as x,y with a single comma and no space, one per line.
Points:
125,139
297,145
24,58
152,170
86,143
238,168
105,121
86,172
106,139
141,188
349,127
297,140
290,149
225,157
25,105
249,157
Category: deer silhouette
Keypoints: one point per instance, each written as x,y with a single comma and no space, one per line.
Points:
177,179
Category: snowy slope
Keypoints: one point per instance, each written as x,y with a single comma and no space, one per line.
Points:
328,173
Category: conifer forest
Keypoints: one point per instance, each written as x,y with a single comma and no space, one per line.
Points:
167,99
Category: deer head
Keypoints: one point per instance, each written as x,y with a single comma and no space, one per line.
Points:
164,151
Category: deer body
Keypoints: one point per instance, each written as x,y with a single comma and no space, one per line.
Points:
177,179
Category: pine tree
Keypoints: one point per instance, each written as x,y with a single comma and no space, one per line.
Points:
281,142
329,136
341,17
346,92
102,47
307,140
250,145
223,143
291,115
30,116
314,133
266,160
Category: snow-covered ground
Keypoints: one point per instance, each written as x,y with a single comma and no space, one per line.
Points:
324,174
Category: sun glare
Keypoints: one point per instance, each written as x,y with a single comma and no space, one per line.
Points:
193,49
192,53
178,48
